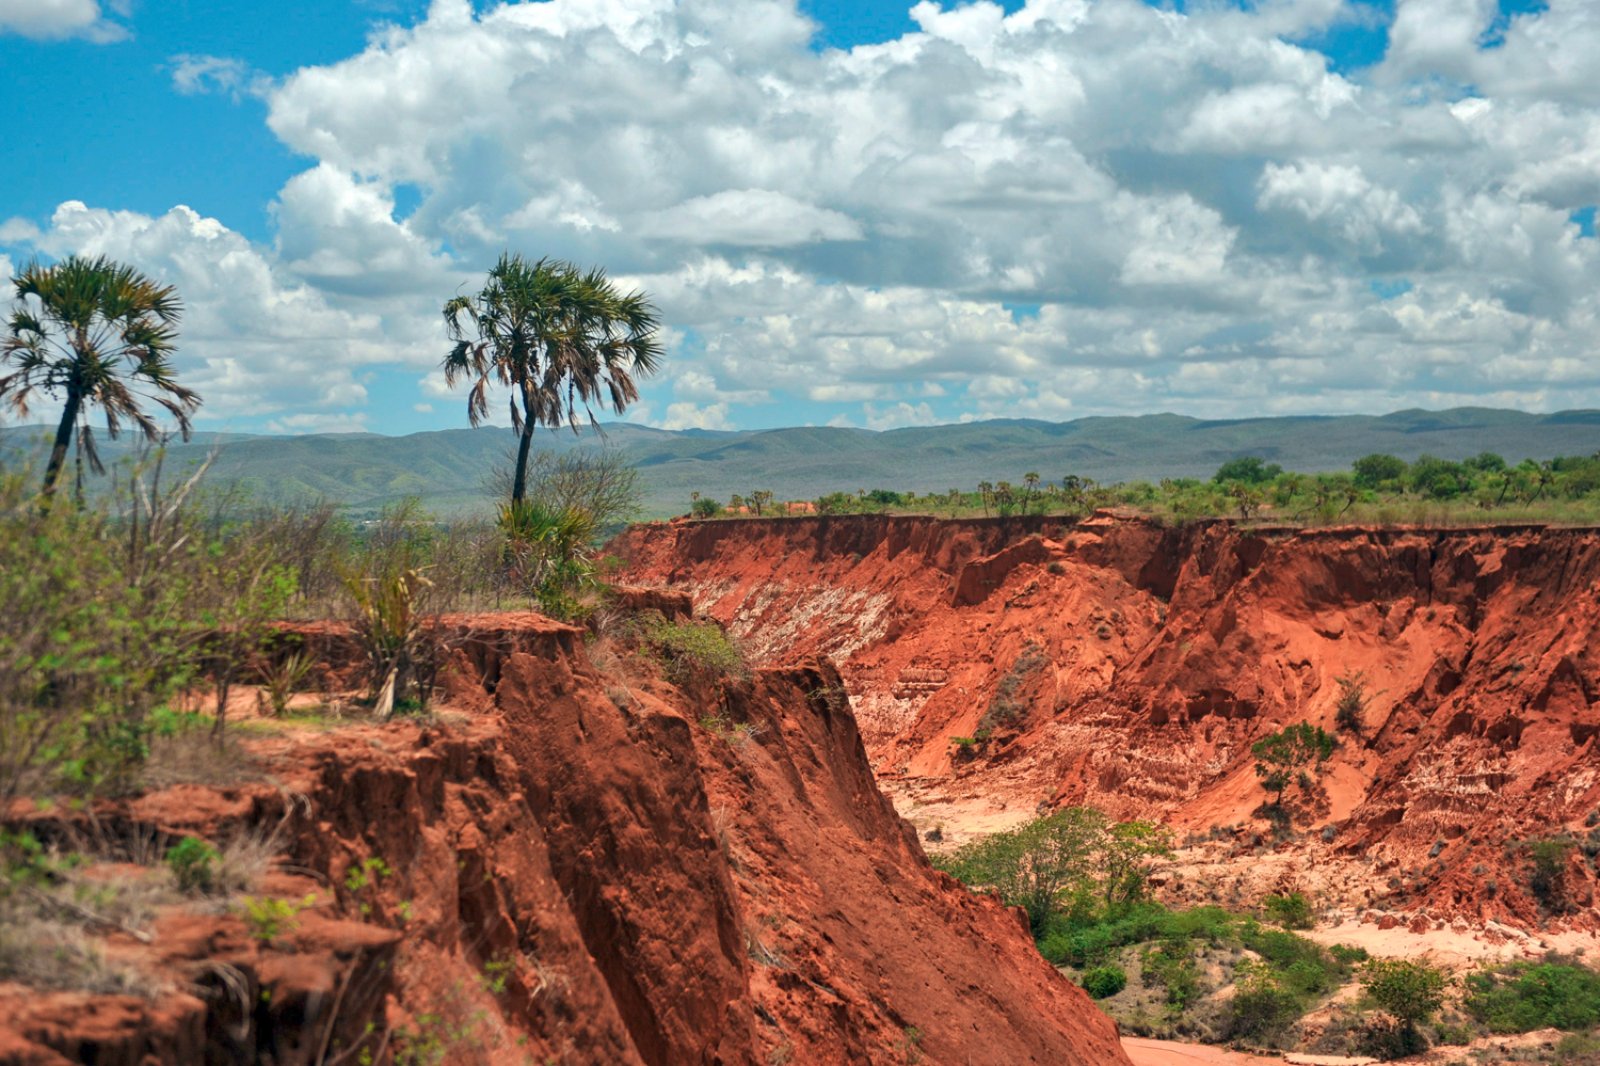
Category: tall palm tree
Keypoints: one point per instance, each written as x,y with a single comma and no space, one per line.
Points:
561,339
94,333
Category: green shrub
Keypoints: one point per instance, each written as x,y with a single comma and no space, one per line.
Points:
1524,996
267,917
1262,1009
1068,863
1170,965
1104,981
1352,703
1057,947
1211,924
193,863
1410,990
111,609
1292,911
687,650
1287,757
1307,967
1347,955
1388,1039
705,507
1549,858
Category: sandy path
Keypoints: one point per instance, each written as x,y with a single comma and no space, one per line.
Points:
1170,1053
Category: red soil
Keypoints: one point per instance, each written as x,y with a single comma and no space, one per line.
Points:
1144,661
581,870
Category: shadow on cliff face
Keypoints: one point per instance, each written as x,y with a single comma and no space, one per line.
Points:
565,863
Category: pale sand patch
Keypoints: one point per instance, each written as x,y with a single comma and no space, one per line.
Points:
1457,947
1171,1053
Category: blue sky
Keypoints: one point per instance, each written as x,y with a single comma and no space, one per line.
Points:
891,216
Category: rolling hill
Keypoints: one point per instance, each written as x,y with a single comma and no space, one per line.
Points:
446,469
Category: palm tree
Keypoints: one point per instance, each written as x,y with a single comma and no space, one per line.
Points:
94,333
562,339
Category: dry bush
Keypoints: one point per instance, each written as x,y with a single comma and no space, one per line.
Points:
193,757
44,953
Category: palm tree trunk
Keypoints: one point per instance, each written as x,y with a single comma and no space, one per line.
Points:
58,454
519,486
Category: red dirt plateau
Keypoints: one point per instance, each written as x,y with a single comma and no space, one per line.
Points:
1131,666
578,863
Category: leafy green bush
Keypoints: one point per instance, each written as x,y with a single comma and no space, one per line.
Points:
687,650
1347,955
1248,469
1103,981
1170,964
1211,924
1262,1009
1315,970
1285,757
111,609
1091,935
1409,990
193,863
1292,911
1524,996
705,507
1352,704
1073,860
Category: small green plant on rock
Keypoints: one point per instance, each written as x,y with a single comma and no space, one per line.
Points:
910,1045
496,973
1352,703
267,917
1549,858
194,865
362,876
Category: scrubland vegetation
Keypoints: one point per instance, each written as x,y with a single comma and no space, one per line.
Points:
130,616
1249,979
136,612
1378,489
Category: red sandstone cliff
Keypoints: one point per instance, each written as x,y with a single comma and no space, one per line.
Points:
1138,663
578,871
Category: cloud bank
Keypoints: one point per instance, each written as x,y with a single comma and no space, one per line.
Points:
1080,207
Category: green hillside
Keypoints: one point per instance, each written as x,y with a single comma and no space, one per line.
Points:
447,469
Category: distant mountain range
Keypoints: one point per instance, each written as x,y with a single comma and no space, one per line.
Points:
447,469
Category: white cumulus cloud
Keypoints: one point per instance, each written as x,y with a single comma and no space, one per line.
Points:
1080,206
57,19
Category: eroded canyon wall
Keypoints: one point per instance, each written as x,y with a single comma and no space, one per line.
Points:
1129,665
576,864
